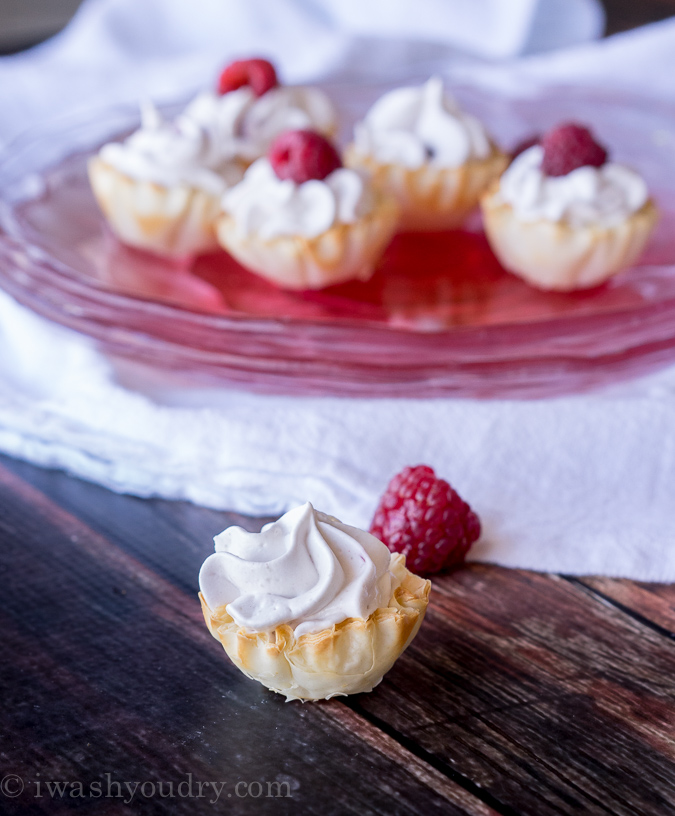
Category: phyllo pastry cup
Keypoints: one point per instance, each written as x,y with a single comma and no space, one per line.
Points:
175,221
347,658
431,198
344,252
556,255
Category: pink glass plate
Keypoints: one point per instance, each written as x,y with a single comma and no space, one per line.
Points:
439,317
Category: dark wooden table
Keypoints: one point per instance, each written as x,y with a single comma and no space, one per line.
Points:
523,693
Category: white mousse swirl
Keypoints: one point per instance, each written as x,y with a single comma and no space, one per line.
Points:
221,119
605,195
416,126
242,126
171,154
206,145
287,108
264,205
307,570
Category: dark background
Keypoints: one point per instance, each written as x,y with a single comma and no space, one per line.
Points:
27,22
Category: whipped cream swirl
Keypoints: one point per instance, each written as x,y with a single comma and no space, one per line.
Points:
605,195
264,205
287,108
307,570
216,136
221,121
415,126
171,154
240,125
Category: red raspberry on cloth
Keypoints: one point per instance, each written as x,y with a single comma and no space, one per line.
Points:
258,74
301,155
422,517
568,147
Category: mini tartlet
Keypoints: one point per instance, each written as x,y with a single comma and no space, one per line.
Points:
155,189
563,217
310,607
160,189
433,158
301,220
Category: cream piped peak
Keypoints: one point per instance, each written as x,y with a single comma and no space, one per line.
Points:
307,570
423,125
262,204
169,153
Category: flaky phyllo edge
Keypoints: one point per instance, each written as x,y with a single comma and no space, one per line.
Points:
557,255
347,658
430,197
175,221
343,252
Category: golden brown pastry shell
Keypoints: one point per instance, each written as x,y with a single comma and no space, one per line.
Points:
555,255
175,221
431,198
344,252
347,658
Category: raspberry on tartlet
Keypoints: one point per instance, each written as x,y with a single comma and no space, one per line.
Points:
258,74
568,147
303,155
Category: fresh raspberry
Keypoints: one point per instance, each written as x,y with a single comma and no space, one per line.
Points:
569,147
258,74
422,517
524,145
302,155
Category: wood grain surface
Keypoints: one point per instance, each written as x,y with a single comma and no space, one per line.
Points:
109,669
522,694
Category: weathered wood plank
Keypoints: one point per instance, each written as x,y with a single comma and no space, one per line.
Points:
111,670
524,687
389,747
653,602
548,699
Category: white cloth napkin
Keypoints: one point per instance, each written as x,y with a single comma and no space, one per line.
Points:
579,485
125,50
